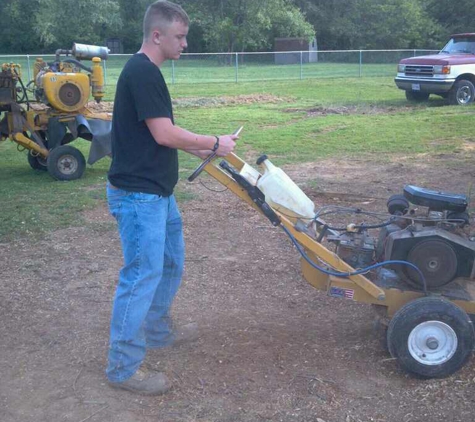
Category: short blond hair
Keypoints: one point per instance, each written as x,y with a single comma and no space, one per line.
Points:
161,14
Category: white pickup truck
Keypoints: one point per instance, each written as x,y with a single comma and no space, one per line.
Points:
450,73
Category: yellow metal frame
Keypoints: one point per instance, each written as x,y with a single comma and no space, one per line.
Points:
34,120
360,288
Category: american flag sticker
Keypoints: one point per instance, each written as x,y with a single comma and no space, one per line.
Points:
342,293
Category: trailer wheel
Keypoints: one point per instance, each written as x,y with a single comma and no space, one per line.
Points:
462,93
37,162
66,163
431,337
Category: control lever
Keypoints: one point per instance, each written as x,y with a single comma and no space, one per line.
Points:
207,160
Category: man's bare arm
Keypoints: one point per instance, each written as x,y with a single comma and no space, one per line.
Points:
167,134
201,153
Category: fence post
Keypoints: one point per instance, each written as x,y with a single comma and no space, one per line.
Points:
173,72
28,64
301,65
104,66
414,52
237,65
361,63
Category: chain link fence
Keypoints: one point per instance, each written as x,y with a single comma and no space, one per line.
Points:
248,67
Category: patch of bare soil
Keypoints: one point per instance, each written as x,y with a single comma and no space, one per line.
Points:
271,347
321,111
107,107
102,107
228,100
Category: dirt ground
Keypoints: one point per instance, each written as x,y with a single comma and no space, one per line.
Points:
271,348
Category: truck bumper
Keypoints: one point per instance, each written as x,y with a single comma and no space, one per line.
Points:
432,86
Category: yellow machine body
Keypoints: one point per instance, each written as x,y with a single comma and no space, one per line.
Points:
97,79
67,92
49,112
361,287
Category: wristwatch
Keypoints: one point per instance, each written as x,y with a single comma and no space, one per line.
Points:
216,145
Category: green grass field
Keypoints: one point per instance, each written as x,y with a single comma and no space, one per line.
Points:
366,117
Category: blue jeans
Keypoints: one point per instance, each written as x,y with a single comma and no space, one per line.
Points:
151,234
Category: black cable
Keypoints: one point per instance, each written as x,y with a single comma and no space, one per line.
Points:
361,271
362,226
213,190
79,64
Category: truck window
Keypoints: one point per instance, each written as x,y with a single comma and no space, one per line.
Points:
460,46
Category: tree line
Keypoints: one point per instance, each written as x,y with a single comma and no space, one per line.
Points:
42,26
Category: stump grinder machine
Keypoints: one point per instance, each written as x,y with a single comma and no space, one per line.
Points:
414,262
45,115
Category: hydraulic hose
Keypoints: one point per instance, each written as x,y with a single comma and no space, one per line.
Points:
357,272
363,226
25,94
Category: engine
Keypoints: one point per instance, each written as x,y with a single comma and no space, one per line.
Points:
62,86
433,240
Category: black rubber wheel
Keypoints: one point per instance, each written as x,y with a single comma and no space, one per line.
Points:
437,260
37,162
462,93
431,337
460,218
417,97
66,163
397,205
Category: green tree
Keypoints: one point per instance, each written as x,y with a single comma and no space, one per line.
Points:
453,16
60,23
246,25
389,24
371,24
17,33
131,15
335,21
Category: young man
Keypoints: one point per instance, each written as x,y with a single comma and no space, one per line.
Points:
143,174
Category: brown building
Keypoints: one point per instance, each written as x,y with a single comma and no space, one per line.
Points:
288,50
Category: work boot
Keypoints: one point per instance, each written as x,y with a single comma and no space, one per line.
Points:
180,335
150,384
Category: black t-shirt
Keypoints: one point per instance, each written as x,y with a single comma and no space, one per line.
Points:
139,164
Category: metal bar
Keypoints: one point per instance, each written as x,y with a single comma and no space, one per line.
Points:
104,67
301,65
361,63
22,140
237,66
28,65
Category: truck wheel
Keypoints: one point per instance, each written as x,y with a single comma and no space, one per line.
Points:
431,337
66,163
417,97
462,93
36,162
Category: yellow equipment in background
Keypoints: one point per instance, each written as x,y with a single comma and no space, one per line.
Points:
58,114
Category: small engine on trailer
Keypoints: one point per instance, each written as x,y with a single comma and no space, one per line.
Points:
58,113
426,228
